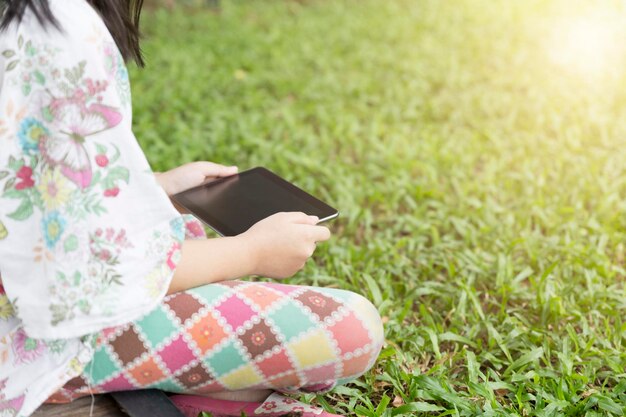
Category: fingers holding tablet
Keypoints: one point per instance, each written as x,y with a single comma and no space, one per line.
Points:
318,233
282,243
276,222
232,204
298,217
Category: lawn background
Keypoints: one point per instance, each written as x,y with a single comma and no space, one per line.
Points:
481,186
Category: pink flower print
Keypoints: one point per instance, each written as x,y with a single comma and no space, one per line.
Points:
78,96
194,229
258,338
120,239
111,192
297,409
25,348
105,255
12,406
102,160
99,232
195,377
288,400
110,232
269,405
207,332
173,255
25,174
318,301
95,87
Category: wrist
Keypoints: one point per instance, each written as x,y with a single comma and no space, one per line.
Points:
250,253
162,180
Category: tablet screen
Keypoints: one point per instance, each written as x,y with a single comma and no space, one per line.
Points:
232,204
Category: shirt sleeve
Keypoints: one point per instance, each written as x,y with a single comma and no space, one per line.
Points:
88,239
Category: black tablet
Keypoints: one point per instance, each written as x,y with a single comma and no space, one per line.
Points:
230,205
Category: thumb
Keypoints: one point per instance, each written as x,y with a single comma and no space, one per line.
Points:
313,220
230,170
211,169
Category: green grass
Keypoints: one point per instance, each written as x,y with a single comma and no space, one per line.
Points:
481,186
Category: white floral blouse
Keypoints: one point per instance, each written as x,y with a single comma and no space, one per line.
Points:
88,239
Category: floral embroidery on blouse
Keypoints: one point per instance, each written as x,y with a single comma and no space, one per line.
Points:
56,175
88,239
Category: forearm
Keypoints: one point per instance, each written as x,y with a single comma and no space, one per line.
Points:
211,260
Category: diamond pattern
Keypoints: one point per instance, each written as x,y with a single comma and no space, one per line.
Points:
319,304
120,383
146,372
207,333
156,326
259,339
184,306
209,294
235,311
291,320
102,366
356,366
226,359
176,354
285,381
260,295
352,326
241,378
305,356
195,376
238,335
275,364
128,346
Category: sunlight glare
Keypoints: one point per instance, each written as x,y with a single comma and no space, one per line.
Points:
591,46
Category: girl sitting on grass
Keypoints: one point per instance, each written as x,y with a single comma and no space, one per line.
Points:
105,286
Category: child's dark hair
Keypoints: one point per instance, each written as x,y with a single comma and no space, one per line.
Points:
120,16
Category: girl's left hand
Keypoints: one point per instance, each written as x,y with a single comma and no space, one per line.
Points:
192,174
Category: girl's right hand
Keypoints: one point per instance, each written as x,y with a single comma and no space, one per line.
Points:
282,243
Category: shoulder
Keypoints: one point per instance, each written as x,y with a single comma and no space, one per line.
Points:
31,53
78,24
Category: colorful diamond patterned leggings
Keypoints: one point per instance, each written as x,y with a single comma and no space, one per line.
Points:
237,335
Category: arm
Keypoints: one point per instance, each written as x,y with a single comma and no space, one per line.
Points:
275,247
190,175
212,260
207,260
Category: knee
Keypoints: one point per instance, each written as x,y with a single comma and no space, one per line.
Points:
359,335
370,318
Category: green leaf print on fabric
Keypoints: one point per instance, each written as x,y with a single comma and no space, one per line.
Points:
24,211
71,243
114,175
11,66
